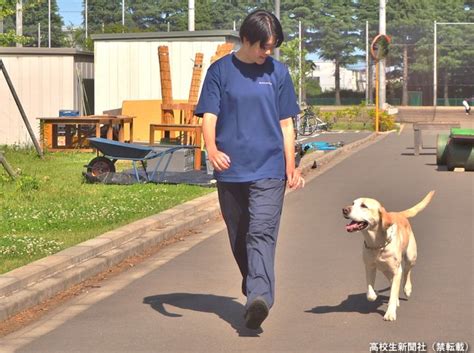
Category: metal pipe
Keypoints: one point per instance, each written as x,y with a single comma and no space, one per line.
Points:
85,17
123,16
377,101
382,30
19,20
276,52
366,62
300,79
49,23
435,69
190,15
7,166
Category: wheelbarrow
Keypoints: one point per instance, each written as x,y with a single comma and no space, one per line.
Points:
113,151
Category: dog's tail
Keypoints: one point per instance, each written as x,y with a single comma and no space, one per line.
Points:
412,212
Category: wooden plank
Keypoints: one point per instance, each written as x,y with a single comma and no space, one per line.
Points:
167,116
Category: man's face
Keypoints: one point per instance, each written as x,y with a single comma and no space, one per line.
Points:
259,53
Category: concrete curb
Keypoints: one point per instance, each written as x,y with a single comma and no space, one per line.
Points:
29,285
307,162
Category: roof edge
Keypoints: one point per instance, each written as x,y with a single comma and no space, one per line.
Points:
44,51
178,35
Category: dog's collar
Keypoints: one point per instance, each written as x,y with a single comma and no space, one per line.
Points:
388,241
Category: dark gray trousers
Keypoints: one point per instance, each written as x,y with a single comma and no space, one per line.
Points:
252,212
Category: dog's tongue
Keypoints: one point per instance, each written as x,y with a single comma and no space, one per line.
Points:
353,226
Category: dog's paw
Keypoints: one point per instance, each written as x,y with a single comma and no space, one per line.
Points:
390,315
407,290
371,295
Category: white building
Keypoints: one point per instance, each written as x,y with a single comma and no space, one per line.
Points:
349,79
46,80
127,66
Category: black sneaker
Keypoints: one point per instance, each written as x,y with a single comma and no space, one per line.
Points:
256,314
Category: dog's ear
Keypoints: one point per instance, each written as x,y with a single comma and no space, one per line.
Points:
385,218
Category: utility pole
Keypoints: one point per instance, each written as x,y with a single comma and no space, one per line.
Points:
49,23
367,63
300,78
382,30
190,15
435,69
85,17
276,53
19,20
123,16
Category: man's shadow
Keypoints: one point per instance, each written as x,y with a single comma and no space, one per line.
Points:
225,307
355,303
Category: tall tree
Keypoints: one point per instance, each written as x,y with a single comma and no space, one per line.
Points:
8,35
337,36
7,9
103,13
455,52
408,22
35,12
290,54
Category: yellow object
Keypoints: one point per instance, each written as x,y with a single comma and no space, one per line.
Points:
146,112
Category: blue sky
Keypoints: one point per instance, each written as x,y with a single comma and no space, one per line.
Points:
71,11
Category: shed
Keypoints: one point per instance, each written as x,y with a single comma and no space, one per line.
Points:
46,81
127,66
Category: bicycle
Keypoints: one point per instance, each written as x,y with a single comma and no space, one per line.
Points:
309,122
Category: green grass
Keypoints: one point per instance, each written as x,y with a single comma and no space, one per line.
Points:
49,207
344,125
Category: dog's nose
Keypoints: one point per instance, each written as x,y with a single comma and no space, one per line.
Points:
346,211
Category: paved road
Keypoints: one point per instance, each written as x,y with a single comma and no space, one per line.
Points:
187,297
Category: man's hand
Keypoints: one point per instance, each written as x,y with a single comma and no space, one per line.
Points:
295,180
220,161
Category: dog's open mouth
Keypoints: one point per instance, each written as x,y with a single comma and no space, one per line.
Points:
355,226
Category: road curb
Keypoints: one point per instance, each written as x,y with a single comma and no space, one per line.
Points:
307,162
31,284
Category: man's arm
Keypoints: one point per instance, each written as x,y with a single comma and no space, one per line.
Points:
219,160
295,180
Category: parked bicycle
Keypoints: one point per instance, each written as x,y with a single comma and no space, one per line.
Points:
309,122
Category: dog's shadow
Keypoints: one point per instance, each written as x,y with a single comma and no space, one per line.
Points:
355,303
227,308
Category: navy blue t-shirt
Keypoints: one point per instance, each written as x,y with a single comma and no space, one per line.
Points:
249,101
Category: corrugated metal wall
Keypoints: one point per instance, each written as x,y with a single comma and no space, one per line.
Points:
83,70
44,84
129,70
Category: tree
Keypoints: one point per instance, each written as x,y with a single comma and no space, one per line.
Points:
103,13
455,52
35,12
337,36
290,55
408,22
7,14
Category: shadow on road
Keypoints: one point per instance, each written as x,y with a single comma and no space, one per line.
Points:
355,303
225,307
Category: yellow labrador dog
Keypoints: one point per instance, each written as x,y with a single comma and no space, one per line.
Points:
389,245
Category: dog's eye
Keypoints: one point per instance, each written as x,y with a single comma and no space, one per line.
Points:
363,205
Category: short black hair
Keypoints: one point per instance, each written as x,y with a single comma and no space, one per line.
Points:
260,26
